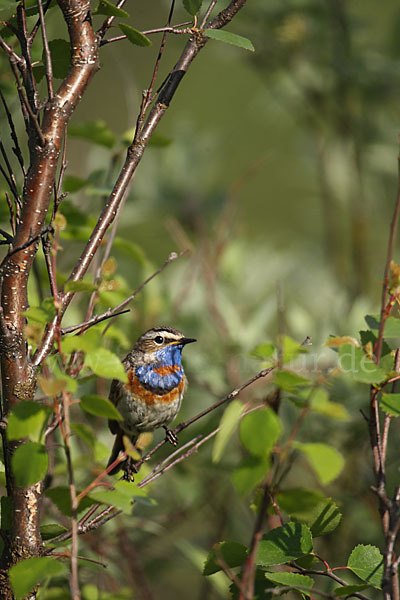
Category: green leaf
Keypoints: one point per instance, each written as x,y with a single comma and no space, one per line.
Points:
121,497
251,472
80,286
27,419
106,364
113,498
367,563
232,554
93,131
99,406
263,351
325,460
61,496
51,530
319,513
355,363
227,426
29,463
85,433
391,329
43,313
134,35
390,403
192,6
27,573
290,579
87,342
107,8
259,431
349,590
290,348
230,38
320,403
284,544
290,381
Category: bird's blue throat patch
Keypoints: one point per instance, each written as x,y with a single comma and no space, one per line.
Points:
165,373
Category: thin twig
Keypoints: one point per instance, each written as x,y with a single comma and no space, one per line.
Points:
16,149
46,51
207,14
74,581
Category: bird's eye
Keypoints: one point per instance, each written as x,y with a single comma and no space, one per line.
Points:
159,339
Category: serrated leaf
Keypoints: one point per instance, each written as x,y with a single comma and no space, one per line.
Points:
51,530
232,554
284,544
61,496
355,363
29,463
28,572
106,364
27,419
367,563
192,6
93,131
134,35
325,460
259,431
229,38
319,513
290,579
80,286
250,473
100,406
390,403
227,426
109,10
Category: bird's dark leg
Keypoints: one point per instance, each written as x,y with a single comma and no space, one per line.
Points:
129,465
171,437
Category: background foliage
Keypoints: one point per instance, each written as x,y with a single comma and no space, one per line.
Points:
278,171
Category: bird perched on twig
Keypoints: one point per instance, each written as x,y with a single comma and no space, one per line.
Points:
153,394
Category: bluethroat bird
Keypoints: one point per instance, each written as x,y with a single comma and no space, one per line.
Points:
155,389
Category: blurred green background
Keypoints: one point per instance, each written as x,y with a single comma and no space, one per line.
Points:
278,170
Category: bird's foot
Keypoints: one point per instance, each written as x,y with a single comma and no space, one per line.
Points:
129,469
171,437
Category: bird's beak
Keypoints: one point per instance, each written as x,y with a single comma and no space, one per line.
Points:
184,341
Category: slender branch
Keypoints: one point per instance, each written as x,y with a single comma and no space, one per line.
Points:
207,14
247,587
385,283
16,149
97,319
46,50
74,582
175,29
